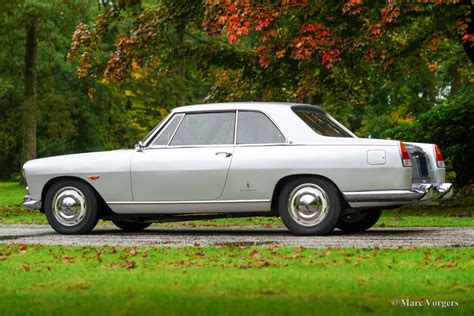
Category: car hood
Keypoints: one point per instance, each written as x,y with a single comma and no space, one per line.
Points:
104,161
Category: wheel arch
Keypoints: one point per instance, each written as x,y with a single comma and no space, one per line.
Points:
283,181
103,207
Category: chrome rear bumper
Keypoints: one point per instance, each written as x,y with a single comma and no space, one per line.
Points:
30,203
421,192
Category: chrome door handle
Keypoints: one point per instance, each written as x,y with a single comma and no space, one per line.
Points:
224,153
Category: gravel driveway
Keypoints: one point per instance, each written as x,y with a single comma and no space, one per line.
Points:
204,236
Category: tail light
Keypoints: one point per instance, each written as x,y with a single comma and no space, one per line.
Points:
406,161
439,157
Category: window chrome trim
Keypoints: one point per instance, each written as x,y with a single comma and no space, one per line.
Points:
148,139
204,145
235,127
176,129
190,202
158,134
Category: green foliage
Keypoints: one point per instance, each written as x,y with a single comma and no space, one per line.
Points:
136,60
449,124
69,119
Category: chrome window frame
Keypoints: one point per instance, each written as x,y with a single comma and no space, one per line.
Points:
234,143
148,139
158,133
201,146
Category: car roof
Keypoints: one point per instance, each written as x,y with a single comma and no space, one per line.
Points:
237,106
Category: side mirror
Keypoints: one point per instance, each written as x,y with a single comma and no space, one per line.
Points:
139,146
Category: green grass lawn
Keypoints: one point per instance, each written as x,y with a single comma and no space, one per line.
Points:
456,212
232,280
11,193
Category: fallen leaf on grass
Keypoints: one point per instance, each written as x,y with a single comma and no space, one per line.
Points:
264,264
26,267
129,265
254,254
67,260
132,252
201,253
22,249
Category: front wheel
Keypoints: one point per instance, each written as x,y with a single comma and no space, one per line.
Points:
310,206
71,207
131,226
358,220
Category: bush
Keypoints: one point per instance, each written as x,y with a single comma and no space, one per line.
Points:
450,125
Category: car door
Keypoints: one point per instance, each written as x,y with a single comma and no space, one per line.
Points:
260,158
188,160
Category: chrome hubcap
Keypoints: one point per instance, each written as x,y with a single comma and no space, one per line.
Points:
308,204
69,206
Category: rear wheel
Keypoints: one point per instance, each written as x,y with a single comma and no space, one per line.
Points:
71,207
358,220
131,226
310,206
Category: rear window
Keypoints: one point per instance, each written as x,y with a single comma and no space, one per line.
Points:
320,122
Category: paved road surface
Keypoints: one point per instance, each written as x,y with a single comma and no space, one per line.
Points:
204,236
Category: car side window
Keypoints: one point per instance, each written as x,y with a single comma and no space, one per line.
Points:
257,128
164,137
216,128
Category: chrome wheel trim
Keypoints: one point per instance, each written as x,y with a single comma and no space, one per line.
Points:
308,204
69,206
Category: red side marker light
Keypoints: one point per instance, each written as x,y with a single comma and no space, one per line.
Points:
93,177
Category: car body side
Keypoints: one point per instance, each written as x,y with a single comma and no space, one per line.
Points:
254,173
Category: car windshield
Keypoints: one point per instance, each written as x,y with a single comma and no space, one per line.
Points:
320,122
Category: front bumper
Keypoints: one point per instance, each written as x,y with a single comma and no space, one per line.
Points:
30,203
419,193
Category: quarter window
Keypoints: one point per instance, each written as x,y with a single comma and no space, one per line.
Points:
257,128
320,122
164,138
205,129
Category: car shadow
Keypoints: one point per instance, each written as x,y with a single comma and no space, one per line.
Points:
249,231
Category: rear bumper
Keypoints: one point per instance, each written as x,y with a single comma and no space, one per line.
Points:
419,193
30,203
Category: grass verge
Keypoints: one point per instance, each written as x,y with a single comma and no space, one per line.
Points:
233,280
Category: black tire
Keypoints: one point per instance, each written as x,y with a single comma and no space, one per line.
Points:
87,221
131,226
325,222
359,221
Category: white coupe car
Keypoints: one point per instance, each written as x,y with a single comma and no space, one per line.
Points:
292,161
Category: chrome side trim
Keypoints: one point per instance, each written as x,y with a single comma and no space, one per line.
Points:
188,202
383,196
30,203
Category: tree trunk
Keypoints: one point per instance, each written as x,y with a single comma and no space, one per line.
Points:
181,28
30,106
